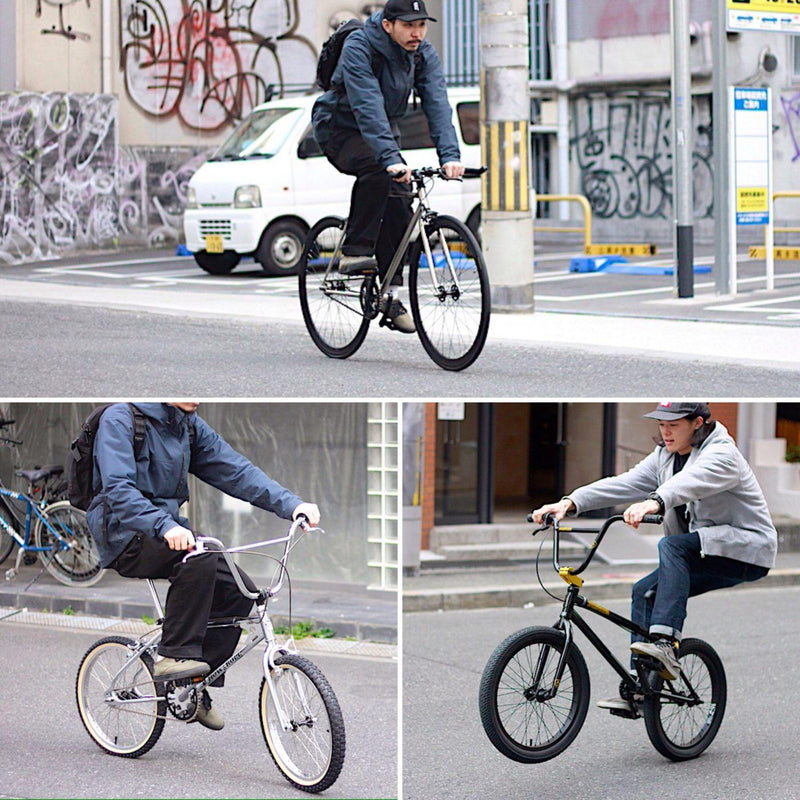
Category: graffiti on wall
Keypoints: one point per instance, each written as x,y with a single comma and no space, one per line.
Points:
791,112
62,29
622,145
66,185
211,61
57,156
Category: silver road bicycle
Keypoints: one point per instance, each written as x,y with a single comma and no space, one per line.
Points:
447,282
124,708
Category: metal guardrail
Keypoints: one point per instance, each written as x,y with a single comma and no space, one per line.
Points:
784,253
590,249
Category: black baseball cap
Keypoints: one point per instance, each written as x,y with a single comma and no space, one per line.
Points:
406,10
669,411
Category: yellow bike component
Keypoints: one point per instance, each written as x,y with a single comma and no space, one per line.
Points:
565,573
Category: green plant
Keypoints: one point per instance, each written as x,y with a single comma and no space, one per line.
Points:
281,630
148,620
304,629
69,611
793,453
323,633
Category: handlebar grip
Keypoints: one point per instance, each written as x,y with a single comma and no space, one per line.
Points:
475,172
656,519
6,422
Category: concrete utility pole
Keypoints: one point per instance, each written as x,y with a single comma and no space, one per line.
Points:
507,217
682,147
724,265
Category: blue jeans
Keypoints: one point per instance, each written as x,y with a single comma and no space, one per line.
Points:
659,599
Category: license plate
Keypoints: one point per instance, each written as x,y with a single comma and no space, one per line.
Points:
214,244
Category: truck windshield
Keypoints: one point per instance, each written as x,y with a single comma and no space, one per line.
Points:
261,135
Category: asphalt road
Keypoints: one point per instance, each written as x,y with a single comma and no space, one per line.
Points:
447,754
45,751
74,351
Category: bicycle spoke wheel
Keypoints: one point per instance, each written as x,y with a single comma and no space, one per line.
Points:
331,302
10,516
120,705
683,721
520,718
310,753
80,562
449,292
6,546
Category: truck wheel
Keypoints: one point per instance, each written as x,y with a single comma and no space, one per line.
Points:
217,263
280,247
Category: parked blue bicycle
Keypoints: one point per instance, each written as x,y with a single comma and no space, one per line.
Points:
43,525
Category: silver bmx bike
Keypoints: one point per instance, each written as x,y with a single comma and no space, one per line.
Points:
124,707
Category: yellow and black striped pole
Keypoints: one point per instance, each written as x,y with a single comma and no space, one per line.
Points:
507,215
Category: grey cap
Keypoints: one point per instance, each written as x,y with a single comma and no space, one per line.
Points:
668,411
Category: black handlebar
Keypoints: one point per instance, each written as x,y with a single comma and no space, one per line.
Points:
551,521
4,423
430,172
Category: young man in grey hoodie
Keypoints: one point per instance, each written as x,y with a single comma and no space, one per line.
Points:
718,530
355,124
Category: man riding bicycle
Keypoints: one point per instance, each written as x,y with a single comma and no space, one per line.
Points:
355,123
718,530
135,519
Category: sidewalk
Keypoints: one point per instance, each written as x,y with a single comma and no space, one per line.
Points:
350,611
517,586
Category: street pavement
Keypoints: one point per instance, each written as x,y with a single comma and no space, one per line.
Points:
446,753
45,751
628,315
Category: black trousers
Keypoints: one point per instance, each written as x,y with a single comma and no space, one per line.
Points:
380,208
201,589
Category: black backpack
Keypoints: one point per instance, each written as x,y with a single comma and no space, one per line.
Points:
332,49
81,490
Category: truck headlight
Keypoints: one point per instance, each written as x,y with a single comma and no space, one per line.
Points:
247,197
191,198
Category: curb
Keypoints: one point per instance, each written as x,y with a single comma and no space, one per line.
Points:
517,596
128,609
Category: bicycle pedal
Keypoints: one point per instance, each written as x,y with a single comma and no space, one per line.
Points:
618,712
11,574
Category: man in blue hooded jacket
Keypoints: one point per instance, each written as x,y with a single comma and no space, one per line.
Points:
135,519
355,123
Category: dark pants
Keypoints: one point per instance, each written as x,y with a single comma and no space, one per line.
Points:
201,589
380,208
660,598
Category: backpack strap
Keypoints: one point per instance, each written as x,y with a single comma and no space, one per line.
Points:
139,430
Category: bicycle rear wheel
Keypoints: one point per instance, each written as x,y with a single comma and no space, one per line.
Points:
311,753
120,705
331,302
520,719
449,292
681,726
80,563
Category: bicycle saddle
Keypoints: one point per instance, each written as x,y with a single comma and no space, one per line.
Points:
40,473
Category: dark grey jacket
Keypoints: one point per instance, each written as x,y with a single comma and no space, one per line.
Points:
144,495
372,100
726,504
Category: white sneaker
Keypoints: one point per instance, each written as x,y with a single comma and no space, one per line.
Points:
665,651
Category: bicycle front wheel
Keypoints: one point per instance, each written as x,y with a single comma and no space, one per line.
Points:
80,562
6,541
120,705
449,292
331,302
310,753
526,716
684,718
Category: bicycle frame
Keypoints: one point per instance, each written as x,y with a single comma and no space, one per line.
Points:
31,509
420,216
263,633
569,617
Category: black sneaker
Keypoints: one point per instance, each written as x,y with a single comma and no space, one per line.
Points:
398,319
357,265
665,651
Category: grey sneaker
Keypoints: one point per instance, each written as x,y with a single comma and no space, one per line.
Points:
207,716
398,319
665,651
173,669
355,265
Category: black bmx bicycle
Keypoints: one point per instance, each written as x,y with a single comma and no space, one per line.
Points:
534,693
447,280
